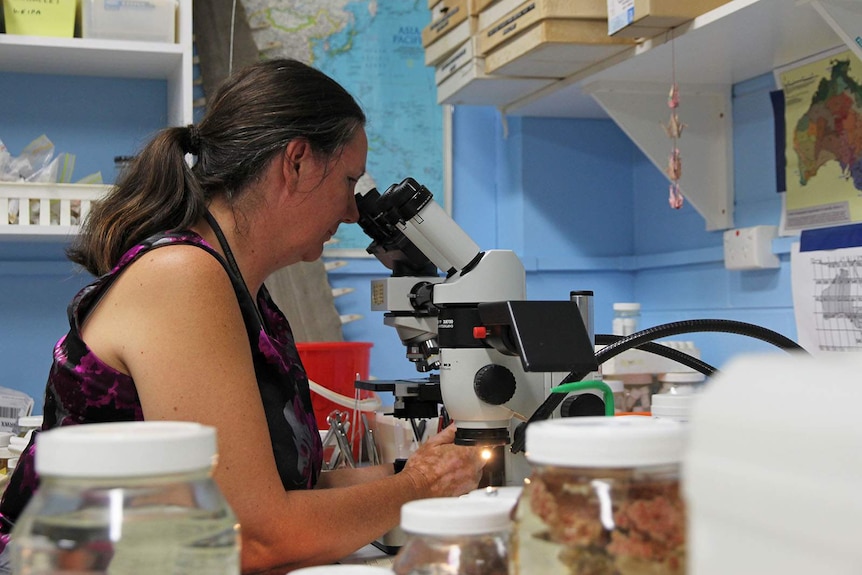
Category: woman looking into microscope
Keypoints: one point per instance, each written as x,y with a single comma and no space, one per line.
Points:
179,325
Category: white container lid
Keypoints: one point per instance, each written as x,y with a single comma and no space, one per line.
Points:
510,493
682,377
627,306
342,570
676,406
443,516
30,421
125,449
616,385
634,441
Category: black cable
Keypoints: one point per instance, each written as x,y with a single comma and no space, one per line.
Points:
638,339
664,351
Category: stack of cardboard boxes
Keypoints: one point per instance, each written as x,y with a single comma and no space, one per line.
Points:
493,52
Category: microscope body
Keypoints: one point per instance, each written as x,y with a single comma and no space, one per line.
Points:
465,322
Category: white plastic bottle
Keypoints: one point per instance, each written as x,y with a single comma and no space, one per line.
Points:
126,498
626,318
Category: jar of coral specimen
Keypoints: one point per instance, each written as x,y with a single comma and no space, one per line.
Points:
455,536
603,498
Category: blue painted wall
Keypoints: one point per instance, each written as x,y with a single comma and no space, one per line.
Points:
575,199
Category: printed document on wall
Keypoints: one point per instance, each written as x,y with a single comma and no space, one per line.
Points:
827,299
823,127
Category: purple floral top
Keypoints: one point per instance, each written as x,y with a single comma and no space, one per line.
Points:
83,389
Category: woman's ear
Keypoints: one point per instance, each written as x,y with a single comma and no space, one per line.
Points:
296,153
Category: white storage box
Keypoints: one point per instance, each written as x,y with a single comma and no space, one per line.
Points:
141,20
771,473
45,208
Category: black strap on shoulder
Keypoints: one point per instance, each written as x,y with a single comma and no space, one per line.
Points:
225,246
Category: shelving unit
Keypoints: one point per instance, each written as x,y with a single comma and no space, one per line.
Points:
101,58
738,41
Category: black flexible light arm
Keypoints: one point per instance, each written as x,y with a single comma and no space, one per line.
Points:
642,340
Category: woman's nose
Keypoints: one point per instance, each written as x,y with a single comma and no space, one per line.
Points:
352,215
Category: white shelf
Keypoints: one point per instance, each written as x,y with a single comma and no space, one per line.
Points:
60,206
735,42
112,58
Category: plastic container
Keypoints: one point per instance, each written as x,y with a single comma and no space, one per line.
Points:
55,18
28,424
603,498
626,318
336,365
126,498
455,536
141,20
773,465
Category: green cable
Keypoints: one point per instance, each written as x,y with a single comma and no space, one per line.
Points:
607,392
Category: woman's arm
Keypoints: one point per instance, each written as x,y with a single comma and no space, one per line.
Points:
173,323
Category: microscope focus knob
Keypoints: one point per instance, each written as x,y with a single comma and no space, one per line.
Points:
494,384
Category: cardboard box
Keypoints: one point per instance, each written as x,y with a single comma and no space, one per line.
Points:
453,32
555,48
526,14
468,84
646,18
448,16
40,18
493,12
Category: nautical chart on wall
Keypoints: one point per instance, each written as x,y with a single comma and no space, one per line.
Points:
374,49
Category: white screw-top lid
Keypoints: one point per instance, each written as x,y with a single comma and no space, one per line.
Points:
682,377
126,449
456,516
627,306
34,421
676,406
632,441
509,493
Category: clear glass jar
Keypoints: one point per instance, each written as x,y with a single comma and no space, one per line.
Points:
455,536
603,498
126,498
638,389
626,318
682,382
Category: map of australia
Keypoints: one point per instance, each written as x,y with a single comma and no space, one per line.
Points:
831,129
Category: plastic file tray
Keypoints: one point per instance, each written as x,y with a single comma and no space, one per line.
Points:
555,48
59,198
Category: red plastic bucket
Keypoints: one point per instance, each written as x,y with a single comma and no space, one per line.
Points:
335,365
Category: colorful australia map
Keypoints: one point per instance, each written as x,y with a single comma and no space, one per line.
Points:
823,117
831,129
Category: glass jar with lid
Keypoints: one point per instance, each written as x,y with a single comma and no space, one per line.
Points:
603,498
455,536
682,382
126,498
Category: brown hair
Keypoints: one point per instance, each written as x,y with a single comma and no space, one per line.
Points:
253,116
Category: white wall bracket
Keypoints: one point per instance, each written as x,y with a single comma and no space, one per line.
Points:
845,18
640,109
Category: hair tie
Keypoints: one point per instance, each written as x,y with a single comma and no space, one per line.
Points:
193,145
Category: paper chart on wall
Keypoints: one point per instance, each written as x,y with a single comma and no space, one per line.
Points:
827,299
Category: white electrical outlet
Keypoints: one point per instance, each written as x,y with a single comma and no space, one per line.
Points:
750,248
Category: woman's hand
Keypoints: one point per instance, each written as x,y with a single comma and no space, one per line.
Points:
439,468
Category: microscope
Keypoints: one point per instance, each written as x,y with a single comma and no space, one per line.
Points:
491,356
